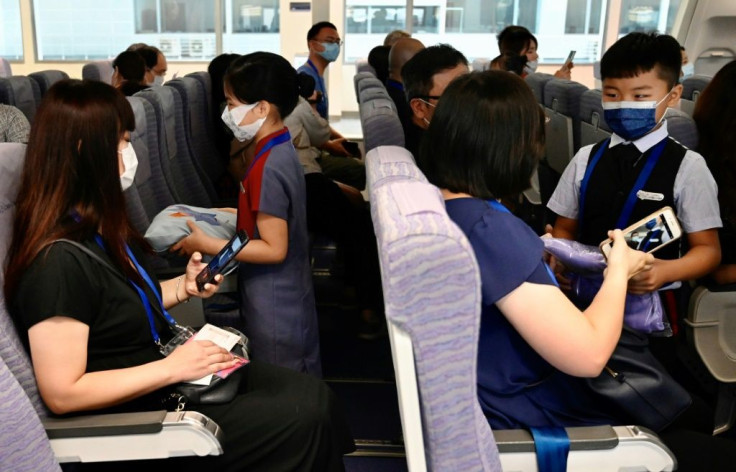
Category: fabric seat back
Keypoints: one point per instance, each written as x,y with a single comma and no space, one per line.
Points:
198,126
593,127
358,78
46,78
23,441
100,71
536,82
562,103
691,88
381,124
431,287
179,168
682,128
21,92
362,65
391,163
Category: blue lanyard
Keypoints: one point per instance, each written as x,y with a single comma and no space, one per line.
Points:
644,175
496,205
142,294
275,141
319,77
395,84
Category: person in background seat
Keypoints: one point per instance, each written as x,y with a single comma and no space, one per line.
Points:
156,65
425,77
401,52
519,41
129,70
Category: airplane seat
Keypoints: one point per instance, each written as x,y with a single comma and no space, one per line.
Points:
392,161
204,78
179,167
691,89
710,61
22,92
46,78
536,82
711,330
5,69
380,122
432,298
362,65
562,103
368,83
368,94
198,127
480,64
593,127
358,78
150,183
98,70
85,438
682,128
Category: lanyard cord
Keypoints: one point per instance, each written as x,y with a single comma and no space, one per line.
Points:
142,294
275,141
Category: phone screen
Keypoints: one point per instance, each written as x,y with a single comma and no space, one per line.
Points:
223,258
570,57
650,235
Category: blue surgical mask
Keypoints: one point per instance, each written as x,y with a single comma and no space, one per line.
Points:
687,70
632,120
332,50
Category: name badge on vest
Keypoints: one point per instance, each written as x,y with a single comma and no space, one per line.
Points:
655,197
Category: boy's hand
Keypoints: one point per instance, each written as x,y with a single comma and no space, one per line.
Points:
648,280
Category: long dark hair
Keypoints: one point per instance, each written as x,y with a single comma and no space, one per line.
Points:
715,116
71,165
486,136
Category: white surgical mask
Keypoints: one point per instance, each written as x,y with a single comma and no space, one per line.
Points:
130,164
531,67
687,70
158,80
232,118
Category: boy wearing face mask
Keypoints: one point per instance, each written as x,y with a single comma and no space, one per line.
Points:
640,169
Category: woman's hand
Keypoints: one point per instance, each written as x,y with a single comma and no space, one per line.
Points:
626,259
564,72
335,147
194,267
195,359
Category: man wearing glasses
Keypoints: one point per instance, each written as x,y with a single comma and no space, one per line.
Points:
324,44
425,77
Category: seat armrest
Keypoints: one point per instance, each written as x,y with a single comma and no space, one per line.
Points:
581,439
145,422
133,436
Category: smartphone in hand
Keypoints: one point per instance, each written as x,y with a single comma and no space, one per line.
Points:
352,148
222,259
569,59
651,233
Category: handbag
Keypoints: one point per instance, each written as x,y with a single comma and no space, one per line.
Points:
638,384
219,390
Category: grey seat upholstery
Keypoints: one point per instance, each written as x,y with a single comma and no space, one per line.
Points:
369,83
369,94
682,128
562,104
358,78
691,88
5,69
31,439
198,127
21,92
181,171
593,127
362,65
380,123
46,78
98,70
536,82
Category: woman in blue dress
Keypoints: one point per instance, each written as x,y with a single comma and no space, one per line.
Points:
277,298
535,346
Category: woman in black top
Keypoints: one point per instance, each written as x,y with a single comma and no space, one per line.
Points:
90,336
